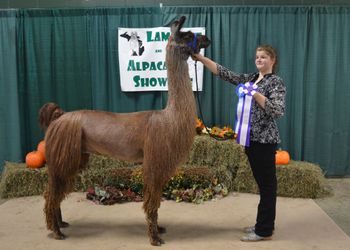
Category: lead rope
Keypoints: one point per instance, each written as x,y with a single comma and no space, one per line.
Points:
200,108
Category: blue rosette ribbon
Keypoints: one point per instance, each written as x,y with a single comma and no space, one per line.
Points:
245,92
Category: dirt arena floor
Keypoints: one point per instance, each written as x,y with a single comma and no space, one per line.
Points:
337,206
308,224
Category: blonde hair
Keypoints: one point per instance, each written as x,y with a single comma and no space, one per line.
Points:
271,52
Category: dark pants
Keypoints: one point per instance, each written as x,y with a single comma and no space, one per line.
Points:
262,161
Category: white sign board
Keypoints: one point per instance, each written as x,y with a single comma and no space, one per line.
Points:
142,64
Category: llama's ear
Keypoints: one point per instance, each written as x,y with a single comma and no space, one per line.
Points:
181,22
173,27
177,25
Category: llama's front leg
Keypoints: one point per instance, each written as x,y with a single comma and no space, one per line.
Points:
161,230
57,234
61,223
151,205
153,228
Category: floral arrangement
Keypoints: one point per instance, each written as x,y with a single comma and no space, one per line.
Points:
194,185
223,133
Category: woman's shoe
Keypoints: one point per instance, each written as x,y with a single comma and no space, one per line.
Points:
249,230
252,237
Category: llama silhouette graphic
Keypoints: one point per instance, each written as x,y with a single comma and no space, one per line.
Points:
135,43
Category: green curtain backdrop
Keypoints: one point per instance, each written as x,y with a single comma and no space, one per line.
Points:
53,65
70,56
103,51
10,141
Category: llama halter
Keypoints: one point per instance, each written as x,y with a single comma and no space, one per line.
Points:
193,43
245,94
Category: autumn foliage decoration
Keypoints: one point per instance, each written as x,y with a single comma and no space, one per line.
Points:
199,126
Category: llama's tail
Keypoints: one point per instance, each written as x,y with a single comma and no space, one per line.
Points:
48,113
63,143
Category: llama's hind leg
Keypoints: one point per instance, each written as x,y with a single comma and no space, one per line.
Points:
56,190
65,188
52,211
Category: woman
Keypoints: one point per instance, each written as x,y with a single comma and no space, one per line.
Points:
268,105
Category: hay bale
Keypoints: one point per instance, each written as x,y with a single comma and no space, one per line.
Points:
107,162
297,179
244,181
18,180
223,158
226,161
97,171
301,179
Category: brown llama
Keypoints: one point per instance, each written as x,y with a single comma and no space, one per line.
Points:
161,140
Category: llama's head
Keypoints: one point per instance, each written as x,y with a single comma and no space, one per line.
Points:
187,42
48,113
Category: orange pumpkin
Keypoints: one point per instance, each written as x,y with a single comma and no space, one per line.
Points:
35,159
41,148
282,157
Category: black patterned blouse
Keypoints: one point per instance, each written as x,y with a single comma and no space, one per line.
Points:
263,121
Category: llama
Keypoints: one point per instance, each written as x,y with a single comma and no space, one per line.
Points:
160,140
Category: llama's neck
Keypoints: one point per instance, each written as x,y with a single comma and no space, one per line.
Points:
181,109
180,95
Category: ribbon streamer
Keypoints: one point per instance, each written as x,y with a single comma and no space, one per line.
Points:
245,94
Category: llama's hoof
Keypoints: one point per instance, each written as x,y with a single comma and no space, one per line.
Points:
161,230
59,236
157,241
63,224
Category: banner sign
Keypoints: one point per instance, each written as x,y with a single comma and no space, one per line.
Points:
142,64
